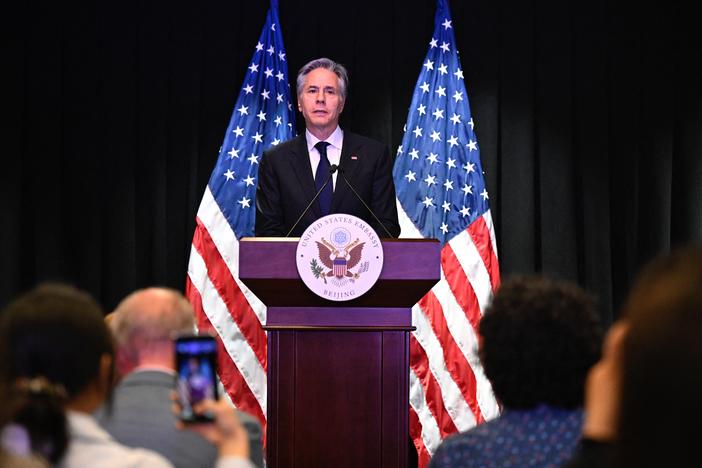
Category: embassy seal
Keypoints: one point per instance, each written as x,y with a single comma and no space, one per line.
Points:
339,257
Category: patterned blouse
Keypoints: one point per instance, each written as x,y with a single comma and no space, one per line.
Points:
542,436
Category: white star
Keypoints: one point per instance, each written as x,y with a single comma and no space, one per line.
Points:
469,167
448,185
444,228
268,72
280,76
433,43
253,68
484,194
464,211
261,116
467,189
275,142
455,118
279,98
253,158
410,176
428,202
229,174
435,136
447,23
453,141
441,91
438,114
238,131
414,153
244,202
458,96
432,158
278,120
422,109
451,163
266,94
271,50
281,56
243,110
259,47
445,46
234,153
459,74
399,150
273,27
248,89
417,131
472,145
258,138
430,180
429,65
446,206
249,180
442,69
472,125
425,87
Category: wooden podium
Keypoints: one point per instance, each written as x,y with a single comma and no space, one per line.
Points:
338,372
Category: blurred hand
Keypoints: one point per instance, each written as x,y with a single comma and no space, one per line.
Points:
225,432
603,387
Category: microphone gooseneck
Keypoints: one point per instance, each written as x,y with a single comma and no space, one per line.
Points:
341,171
332,169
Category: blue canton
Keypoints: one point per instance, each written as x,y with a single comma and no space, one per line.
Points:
540,437
437,173
262,117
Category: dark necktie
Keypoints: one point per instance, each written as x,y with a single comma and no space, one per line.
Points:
320,176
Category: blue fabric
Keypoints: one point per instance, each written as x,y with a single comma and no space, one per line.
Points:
325,198
543,436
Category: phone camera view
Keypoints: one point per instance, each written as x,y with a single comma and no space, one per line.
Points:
196,381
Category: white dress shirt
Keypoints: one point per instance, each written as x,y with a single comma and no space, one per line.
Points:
335,140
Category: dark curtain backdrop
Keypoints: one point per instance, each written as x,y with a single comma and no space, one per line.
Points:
588,114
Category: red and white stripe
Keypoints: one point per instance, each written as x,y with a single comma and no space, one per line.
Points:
223,304
448,388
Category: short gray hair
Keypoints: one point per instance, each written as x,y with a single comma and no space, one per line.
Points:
152,315
338,69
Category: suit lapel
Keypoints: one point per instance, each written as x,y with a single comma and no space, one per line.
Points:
349,149
301,167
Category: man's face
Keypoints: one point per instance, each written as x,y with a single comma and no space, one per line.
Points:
320,102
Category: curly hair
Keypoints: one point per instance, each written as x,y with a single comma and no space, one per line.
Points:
539,339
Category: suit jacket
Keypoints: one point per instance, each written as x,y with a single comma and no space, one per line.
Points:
141,416
286,186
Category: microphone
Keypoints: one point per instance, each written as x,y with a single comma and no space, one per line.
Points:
332,169
341,171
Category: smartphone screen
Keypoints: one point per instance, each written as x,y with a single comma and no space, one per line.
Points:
196,364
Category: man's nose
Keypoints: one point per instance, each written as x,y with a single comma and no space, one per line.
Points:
320,96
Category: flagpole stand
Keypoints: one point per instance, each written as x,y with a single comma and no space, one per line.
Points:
338,372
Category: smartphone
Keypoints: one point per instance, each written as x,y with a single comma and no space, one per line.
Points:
196,364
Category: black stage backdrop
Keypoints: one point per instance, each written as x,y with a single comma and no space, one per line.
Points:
588,115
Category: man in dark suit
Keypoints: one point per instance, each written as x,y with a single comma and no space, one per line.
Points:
140,416
291,173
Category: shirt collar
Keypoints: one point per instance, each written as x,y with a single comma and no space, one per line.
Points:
336,139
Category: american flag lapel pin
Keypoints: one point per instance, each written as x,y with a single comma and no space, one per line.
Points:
354,158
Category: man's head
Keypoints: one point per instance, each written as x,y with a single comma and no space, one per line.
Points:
662,362
539,339
321,94
144,324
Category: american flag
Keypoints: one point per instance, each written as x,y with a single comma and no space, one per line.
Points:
262,117
441,194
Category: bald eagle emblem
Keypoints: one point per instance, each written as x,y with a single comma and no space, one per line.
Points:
339,255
